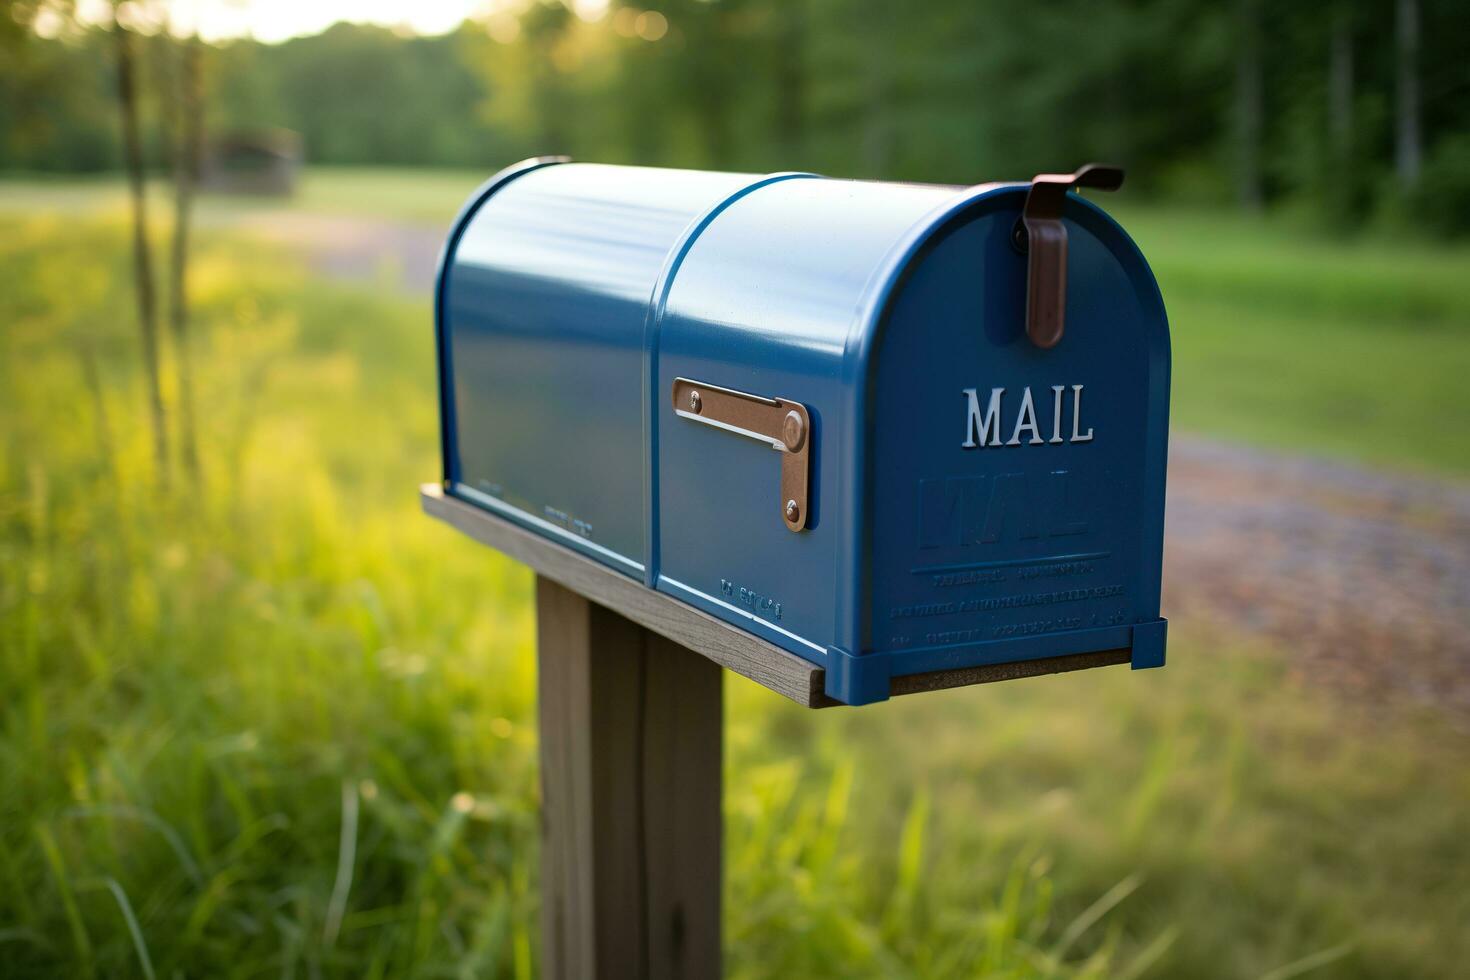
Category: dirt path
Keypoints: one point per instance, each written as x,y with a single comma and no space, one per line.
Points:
405,256
1362,576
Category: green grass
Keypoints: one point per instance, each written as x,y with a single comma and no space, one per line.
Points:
1356,349
430,195
419,195
204,687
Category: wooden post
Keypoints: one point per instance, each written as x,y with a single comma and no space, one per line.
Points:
631,749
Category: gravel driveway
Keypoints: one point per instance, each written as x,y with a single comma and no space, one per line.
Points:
1364,576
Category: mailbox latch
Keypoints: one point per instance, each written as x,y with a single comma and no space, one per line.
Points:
784,425
1046,246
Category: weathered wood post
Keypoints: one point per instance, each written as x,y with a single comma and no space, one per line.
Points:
631,730
631,726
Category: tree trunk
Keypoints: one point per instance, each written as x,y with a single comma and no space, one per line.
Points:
1249,112
188,113
1408,151
1340,90
127,92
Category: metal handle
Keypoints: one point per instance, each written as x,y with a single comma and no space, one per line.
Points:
782,424
1046,245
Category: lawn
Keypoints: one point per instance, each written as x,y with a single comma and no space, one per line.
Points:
278,723
1356,349
425,195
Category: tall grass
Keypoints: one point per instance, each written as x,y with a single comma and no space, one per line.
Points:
287,728
198,690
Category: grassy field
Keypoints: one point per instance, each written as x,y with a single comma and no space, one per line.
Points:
1355,349
279,724
401,194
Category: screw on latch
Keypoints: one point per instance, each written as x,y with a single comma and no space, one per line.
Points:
1019,240
793,431
792,511
695,402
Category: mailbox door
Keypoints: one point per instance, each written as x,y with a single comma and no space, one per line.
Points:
1017,491
763,303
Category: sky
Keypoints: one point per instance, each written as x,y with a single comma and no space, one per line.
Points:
276,20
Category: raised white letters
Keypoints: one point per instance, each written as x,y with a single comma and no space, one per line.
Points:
984,429
977,428
1077,416
1026,421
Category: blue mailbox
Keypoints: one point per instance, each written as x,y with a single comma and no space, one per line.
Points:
893,429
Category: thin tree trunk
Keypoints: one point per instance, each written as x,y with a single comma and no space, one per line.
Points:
1340,90
1408,151
127,91
1249,112
187,146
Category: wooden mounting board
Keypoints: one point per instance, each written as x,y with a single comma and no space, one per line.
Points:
730,647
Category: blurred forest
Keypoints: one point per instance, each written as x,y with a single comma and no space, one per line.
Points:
1351,110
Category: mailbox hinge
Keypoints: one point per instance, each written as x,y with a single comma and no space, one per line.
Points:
782,424
1045,242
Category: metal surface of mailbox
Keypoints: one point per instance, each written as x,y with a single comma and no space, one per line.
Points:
972,497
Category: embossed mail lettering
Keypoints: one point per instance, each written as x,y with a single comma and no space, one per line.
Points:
985,428
750,599
971,510
994,603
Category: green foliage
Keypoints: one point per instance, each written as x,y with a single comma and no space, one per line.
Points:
1441,200
358,95
58,110
955,91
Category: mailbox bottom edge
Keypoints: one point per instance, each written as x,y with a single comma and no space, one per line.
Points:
867,678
